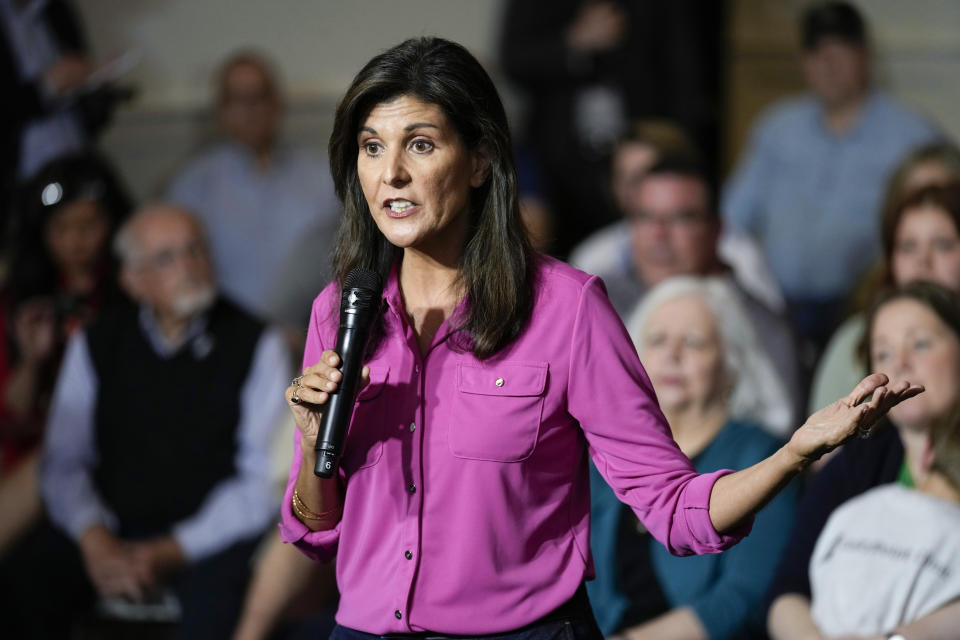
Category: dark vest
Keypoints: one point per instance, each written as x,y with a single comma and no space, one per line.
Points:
166,428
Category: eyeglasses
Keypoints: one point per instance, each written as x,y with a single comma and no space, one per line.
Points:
165,259
676,219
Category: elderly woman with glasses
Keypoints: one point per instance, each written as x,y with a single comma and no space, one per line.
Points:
719,392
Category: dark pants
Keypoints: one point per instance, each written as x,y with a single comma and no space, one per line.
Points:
43,585
571,621
45,592
212,591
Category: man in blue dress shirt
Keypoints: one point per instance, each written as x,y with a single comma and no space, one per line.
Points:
809,186
263,202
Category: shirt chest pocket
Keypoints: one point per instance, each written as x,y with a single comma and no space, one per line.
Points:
497,410
364,442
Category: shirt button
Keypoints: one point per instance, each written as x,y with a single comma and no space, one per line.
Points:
413,427
397,614
407,555
416,368
412,488
499,382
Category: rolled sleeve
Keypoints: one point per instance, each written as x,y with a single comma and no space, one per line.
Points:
318,545
694,512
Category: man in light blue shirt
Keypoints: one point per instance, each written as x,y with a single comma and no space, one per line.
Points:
809,186
263,202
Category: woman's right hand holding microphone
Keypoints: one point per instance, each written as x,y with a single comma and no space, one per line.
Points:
316,502
307,394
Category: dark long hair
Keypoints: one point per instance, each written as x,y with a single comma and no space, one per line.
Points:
496,265
81,175
34,273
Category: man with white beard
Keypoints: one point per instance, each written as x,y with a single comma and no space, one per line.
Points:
157,459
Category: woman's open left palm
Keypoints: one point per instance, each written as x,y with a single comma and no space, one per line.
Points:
852,415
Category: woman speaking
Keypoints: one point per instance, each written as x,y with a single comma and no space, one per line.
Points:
462,502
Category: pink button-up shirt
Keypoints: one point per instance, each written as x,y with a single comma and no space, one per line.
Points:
467,491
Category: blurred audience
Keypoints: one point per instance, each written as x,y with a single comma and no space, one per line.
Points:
290,596
43,59
61,276
156,464
716,388
921,241
913,334
638,149
263,201
51,106
608,249
815,169
588,68
537,216
672,229
142,404
892,555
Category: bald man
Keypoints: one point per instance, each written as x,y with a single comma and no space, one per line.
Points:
156,462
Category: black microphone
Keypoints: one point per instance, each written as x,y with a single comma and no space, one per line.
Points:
359,307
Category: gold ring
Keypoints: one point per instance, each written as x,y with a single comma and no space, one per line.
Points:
296,381
294,398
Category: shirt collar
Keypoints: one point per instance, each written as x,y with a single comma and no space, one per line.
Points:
867,109
391,290
195,334
393,296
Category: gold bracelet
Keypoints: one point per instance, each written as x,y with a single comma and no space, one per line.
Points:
303,506
300,514
304,516
300,507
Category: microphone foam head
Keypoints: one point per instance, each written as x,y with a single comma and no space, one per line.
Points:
360,278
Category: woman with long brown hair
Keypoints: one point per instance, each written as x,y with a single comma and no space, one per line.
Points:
462,502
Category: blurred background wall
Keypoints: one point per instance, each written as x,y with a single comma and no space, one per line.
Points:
318,45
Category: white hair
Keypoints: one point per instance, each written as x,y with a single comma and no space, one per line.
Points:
758,393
